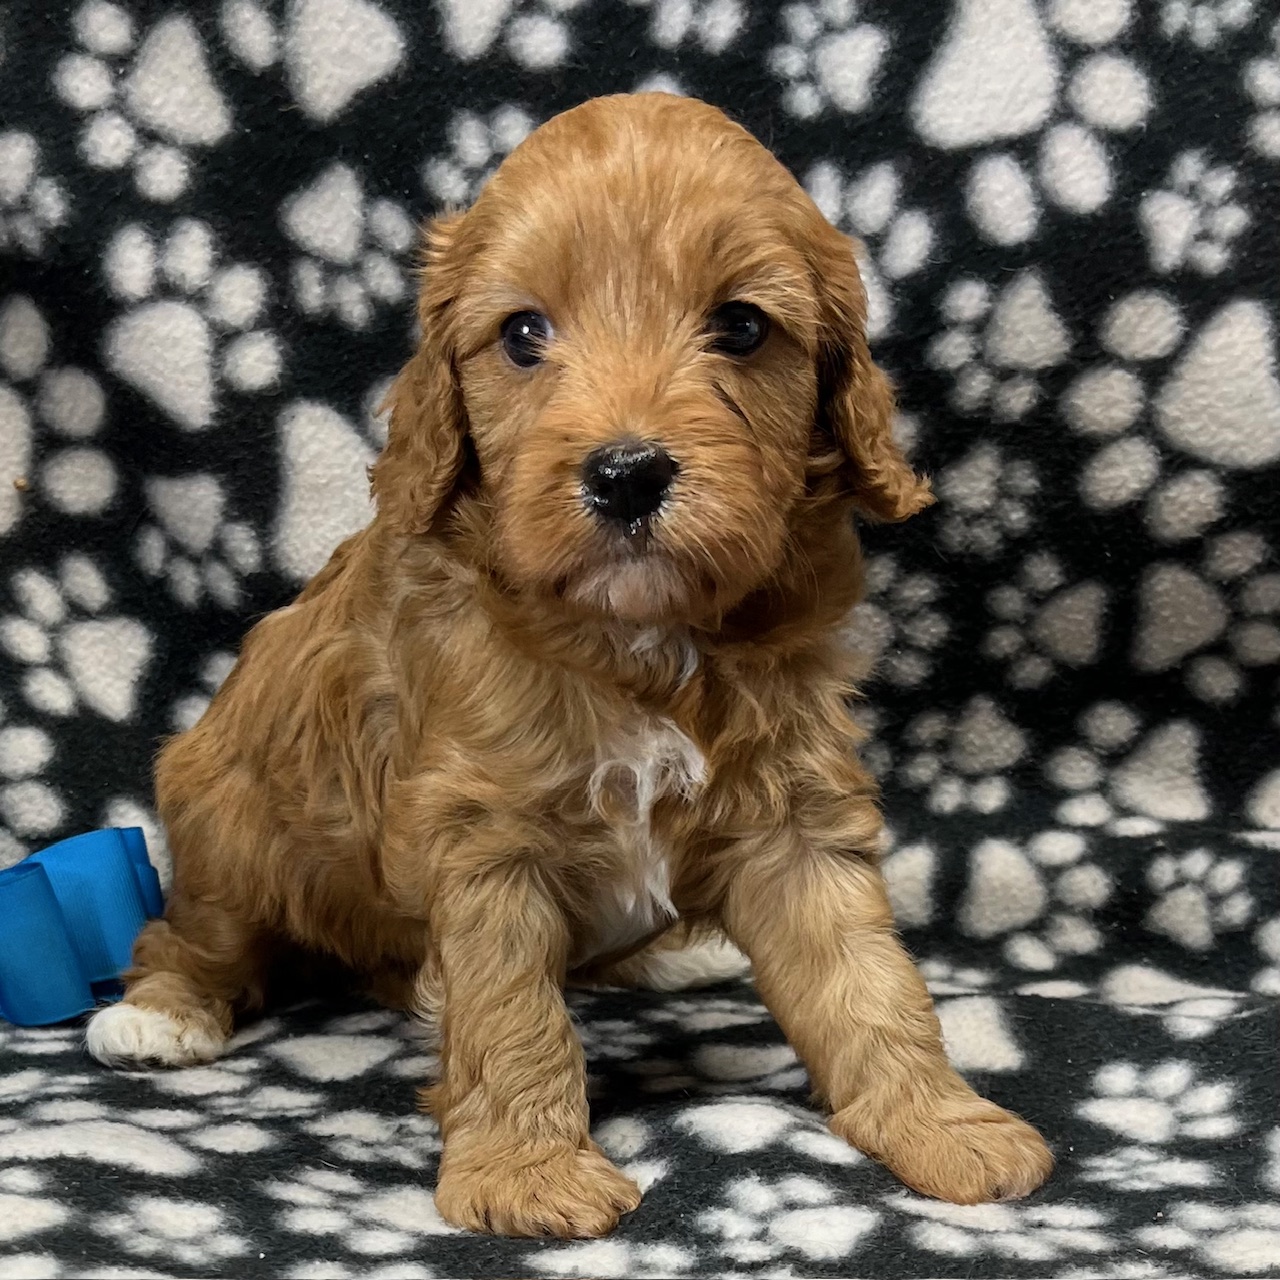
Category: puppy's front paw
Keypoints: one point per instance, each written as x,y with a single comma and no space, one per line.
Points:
573,1193
967,1151
130,1035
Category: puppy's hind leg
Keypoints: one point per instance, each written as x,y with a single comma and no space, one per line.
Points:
190,971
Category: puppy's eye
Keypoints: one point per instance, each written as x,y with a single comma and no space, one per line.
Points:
738,329
525,336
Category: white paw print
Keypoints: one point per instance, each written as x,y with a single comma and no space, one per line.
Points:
1028,1233
896,242
712,24
251,34
1082,768
1235,1240
373,1221
1185,1010
1208,402
145,114
192,546
1204,23
960,761
188,709
977,1031
325,495
31,204
1075,889
994,349
1136,1168
1230,608
534,32
1198,408
737,1125
1043,622
73,477
762,1220
612,1257
74,657
1200,896
629,1143
1267,940
28,1198
332,50
1262,804
1164,1103
1040,900
355,248
363,1137
829,58
872,751
223,1089
989,83
1193,221
1158,781
1108,399
477,145
189,332
661,82
896,629
189,1231
943,978
1262,84
986,501
28,806
612,1039
729,1067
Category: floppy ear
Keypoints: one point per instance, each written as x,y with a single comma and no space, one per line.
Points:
426,439
856,400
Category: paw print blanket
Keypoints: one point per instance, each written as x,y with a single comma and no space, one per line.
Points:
1068,210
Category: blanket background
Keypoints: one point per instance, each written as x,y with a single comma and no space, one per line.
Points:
1069,210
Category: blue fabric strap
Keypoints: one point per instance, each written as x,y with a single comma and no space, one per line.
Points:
68,919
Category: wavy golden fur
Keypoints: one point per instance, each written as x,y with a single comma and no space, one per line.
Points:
494,743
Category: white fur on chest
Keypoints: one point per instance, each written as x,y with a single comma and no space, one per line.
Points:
634,770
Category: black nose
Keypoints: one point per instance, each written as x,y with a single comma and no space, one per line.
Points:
626,482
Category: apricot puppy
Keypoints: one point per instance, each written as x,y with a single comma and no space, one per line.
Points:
581,678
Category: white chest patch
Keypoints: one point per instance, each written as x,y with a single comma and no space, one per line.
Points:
633,772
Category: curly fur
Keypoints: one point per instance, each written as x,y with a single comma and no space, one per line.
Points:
493,746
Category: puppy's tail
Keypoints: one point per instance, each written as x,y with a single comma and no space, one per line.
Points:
680,960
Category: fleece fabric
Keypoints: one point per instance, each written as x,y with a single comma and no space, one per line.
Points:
1069,212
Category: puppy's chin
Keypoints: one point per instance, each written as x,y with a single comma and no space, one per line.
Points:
648,591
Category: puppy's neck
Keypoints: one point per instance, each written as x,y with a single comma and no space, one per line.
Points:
651,664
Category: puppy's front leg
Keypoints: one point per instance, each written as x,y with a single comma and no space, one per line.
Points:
512,1101
819,931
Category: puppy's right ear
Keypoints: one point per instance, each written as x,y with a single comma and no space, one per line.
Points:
420,466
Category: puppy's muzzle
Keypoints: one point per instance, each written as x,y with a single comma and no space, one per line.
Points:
627,483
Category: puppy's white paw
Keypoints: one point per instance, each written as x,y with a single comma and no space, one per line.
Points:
700,965
124,1035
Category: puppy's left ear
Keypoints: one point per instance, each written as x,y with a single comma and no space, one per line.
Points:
426,439
856,400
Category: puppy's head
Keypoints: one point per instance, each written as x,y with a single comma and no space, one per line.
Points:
652,345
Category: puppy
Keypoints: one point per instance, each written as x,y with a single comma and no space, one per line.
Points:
581,679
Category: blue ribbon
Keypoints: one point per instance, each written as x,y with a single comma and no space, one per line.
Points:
68,919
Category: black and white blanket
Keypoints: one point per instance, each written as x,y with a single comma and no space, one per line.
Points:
1069,208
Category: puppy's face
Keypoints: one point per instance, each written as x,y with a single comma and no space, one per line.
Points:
654,344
